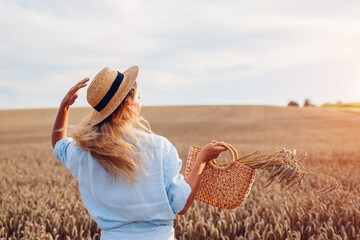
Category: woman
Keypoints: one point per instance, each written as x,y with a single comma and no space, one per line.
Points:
128,176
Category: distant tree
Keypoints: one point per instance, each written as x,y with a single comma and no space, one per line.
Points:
293,104
307,103
339,102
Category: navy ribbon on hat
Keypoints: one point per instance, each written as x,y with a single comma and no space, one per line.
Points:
108,96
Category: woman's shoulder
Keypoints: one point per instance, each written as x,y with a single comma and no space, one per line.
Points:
68,144
159,142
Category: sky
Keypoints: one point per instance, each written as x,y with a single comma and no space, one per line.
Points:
190,52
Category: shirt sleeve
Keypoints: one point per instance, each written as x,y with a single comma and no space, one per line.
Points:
178,191
65,152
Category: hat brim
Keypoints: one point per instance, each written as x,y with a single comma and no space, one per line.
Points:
127,84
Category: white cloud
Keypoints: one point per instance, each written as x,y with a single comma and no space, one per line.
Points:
56,43
164,81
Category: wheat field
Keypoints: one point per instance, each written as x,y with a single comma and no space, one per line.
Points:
40,199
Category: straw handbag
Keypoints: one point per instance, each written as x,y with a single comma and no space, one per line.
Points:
222,185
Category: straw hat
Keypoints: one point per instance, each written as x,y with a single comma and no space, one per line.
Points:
107,90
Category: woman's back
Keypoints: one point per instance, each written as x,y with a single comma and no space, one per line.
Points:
126,211
113,136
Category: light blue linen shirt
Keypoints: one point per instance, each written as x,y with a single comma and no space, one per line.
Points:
144,210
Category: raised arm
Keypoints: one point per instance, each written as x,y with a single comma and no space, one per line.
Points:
59,129
207,153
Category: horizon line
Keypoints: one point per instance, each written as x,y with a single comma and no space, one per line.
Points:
183,105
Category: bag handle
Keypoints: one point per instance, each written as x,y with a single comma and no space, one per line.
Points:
234,156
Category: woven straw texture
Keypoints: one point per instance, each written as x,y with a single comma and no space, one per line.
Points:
99,87
224,186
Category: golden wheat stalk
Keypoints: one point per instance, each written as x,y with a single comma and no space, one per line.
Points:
284,164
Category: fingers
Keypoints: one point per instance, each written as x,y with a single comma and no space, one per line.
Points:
216,143
71,96
213,149
84,80
221,149
217,146
79,85
82,83
217,150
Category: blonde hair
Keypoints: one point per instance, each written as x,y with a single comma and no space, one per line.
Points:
115,142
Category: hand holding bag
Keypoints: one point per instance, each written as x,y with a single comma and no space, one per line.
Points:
222,185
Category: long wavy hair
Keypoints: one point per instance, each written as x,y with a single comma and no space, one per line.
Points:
115,142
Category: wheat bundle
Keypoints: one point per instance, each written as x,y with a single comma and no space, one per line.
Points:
228,185
284,164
